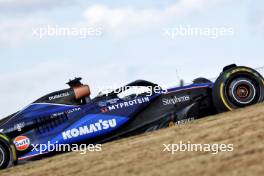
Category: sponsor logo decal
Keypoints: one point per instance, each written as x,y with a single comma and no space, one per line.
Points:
183,121
65,113
102,103
125,104
104,110
65,94
105,103
22,143
88,129
175,100
19,126
73,110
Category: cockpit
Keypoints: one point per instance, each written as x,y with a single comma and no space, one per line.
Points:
77,94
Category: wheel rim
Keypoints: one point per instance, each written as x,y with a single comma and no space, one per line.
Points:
2,156
242,92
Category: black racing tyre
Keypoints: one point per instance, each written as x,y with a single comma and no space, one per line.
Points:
4,156
238,87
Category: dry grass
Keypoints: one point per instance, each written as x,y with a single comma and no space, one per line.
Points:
143,155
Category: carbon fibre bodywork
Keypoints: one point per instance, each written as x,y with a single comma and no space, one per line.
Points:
104,118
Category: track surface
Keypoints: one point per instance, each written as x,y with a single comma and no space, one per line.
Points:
144,155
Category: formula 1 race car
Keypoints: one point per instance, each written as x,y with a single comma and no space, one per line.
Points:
70,117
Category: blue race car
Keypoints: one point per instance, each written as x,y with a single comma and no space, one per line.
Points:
70,117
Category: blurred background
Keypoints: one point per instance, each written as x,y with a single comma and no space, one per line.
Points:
131,43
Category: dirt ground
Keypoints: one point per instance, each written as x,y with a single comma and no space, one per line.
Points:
144,155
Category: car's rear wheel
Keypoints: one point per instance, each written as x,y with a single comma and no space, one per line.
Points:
4,156
238,87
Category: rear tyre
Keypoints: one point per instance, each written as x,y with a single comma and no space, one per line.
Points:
238,87
4,156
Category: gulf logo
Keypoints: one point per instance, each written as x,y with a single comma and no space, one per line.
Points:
22,143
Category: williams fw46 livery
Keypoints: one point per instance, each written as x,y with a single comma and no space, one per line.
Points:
70,117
